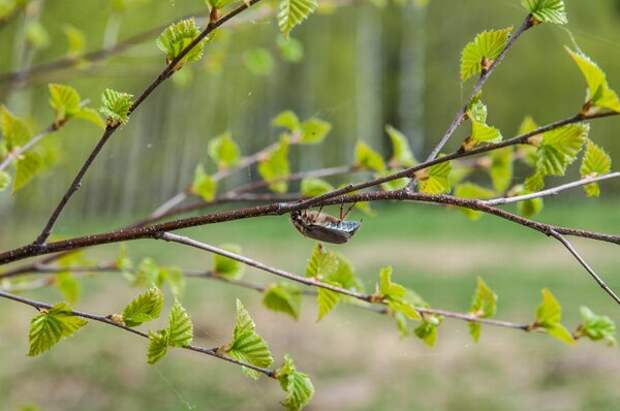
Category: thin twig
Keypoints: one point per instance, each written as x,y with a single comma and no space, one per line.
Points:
585,265
213,352
110,129
550,191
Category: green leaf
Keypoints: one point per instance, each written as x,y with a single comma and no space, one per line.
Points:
36,34
158,345
180,327
50,326
90,115
292,50
64,100
402,156
218,4
227,267
175,279
392,185
314,131
367,158
427,330
293,13
326,300
76,41
480,131
533,183
472,191
599,92
276,168
176,37
224,151
486,46
27,167
549,317
247,346
434,180
484,305
312,187
322,263
394,295
15,130
501,169
547,11
288,120
5,180
284,298
345,276
116,106
529,208
596,327
68,286
145,307
595,162
259,61
203,185
559,148
146,274
297,385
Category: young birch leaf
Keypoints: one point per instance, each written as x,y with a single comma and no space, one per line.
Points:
224,151
68,286
276,168
546,11
5,180
15,131
247,346
259,61
402,156
284,298
297,385
180,327
596,327
116,106
472,191
501,169
482,51
435,179
204,185
287,119
367,158
484,305
227,267
312,187
76,41
595,162
158,345
293,13
529,208
314,131
291,50
91,115
26,168
50,326
145,307
599,92
326,300
175,279
549,317
322,263
559,148
395,295
392,185
176,37
65,101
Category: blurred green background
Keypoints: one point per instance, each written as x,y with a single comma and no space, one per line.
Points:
363,66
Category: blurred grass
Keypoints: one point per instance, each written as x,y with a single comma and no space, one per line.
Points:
356,358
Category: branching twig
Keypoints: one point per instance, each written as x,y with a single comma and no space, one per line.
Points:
213,352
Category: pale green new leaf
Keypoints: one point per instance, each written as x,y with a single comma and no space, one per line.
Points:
145,307
203,185
68,286
427,330
326,300
76,41
597,327
15,131
559,148
549,317
367,158
291,50
158,345
247,346
297,385
50,326
501,169
392,185
293,13
259,61
322,262
5,180
180,327
472,191
484,305
312,187
116,106
91,115
402,156
227,267
287,119
599,92
27,167
547,11
276,168
435,179
314,131
224,150
529,208
65,100
487,45
595,162
176,37
283,297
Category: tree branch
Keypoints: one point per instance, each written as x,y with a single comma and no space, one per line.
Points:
213,352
